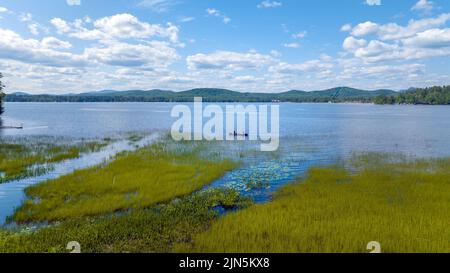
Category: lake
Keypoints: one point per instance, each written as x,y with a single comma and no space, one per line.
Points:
310,135
338,128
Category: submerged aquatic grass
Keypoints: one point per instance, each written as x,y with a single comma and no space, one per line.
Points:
133,180
403,204
27,158
155,229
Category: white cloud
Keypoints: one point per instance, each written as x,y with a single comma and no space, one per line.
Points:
292,45
228,61
26,17
153,54
217,13
275,53
376,48
352,44
60,25
14,47
52,42
299,35
393,31
186,19
34,28
432,38
364,29
73,2
423,5
346,27
373,2
158,5
118,27
269,4
128,26
294,69
420,39
3,9
245,79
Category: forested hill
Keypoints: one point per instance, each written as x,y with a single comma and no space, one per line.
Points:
437,95
339,94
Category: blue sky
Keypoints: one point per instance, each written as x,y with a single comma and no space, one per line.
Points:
61,46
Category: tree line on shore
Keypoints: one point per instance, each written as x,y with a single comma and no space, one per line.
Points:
2,95
436,95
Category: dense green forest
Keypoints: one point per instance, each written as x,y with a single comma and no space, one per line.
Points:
2,95
339,94
437,95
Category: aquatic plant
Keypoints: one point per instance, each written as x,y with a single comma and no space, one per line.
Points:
155,229
133,180
403,204
24,158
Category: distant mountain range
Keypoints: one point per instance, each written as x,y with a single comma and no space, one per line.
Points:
338,94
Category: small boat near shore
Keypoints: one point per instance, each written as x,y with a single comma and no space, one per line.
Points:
239,135
12,127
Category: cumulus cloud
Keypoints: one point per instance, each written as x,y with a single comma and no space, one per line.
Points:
34,28
52,42
432,38
227,60
14,47
154,54
3,9
423,5
117,27
269,4
420,39
366,28
393,31
346,27
352,44
60,25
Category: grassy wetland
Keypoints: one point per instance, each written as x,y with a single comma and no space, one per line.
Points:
133,180
403,204
153,199
142,201
24,157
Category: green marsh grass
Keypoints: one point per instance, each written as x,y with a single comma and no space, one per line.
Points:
402,204
133,180
27,158
155,229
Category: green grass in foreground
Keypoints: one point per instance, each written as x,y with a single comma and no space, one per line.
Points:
20,160
156,229
134,180
403,205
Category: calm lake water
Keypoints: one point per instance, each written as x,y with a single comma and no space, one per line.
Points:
311,134
338,128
